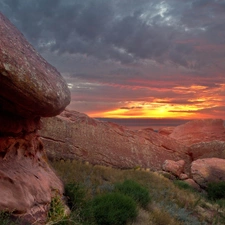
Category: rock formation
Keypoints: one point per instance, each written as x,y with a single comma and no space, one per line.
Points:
29,89
208,170
205,138
197,131
176,168
73,135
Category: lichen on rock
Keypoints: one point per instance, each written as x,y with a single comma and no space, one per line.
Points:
29,89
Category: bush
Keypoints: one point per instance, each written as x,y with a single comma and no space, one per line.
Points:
5,218
56,212
137,192
113,209
75,194
216,190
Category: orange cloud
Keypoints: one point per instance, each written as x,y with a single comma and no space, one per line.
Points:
202,103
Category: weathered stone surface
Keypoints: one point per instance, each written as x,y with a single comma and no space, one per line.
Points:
27,183
28,84
29,88
208,170
207,150
204,130
166,130
73,135
176,168
205,138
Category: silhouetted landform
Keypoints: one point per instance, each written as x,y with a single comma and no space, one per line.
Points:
141,123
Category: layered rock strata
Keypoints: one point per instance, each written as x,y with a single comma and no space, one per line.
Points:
73,135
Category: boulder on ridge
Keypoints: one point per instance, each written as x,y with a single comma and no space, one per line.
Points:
28,84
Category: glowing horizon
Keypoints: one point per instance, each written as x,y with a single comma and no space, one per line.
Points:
202,103
132,59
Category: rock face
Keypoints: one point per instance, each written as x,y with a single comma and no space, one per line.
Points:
23,76
207,150
196,131
208,170
205,138
73,135
176,168
29,88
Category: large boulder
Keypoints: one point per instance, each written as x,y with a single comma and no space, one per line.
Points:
207,150
205,138
73,135
208,170
196,131
28,84
29,88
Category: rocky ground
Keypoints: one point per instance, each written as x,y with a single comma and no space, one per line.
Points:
73,135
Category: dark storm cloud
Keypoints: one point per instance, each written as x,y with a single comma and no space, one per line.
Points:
125,31
112,52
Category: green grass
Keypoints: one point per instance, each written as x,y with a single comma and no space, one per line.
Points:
134,190
168,203
182,185
216,190
113,208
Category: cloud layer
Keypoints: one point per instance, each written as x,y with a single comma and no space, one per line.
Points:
127,58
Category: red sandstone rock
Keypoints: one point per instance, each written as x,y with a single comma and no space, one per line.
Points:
29,88
166,130
196,131
176,168
208,170
73,135
27,182
183,176
207,150
28,84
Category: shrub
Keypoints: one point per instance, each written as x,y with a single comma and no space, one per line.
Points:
5,218
56,212
216,190
131,188
113,208
75,194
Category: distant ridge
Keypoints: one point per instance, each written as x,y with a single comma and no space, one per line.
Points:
140,123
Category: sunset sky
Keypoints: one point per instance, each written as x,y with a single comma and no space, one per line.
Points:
132,58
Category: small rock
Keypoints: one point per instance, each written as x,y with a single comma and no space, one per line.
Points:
183,176
174,167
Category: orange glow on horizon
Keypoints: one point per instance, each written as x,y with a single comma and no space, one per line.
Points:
202,104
